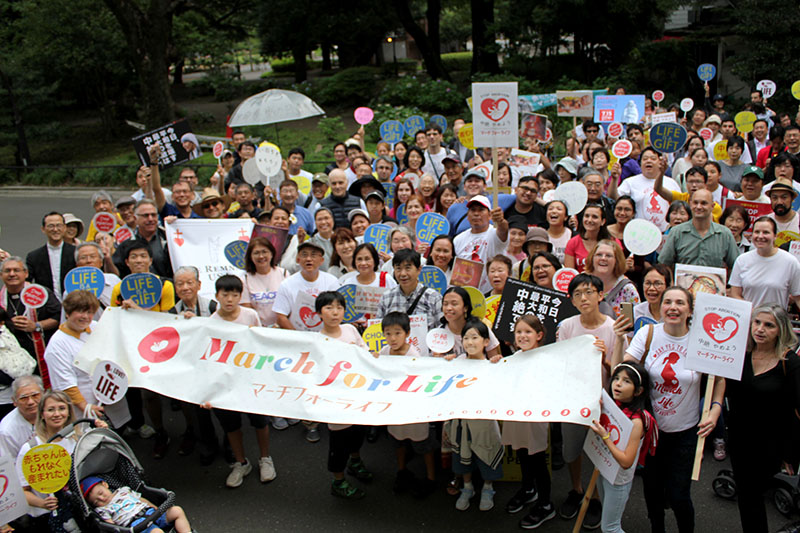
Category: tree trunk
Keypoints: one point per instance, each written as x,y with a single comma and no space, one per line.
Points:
484,55
177,76
428,44
326,56
22,155
300,65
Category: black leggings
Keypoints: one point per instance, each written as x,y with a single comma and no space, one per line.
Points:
343,443
753,469
668,478
535,473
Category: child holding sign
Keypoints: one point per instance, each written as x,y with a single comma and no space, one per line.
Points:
629,387
475,443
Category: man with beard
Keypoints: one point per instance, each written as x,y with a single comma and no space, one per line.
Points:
781,196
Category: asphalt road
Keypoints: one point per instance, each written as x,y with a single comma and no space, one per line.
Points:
299,499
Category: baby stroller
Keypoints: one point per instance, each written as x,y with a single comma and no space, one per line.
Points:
786,490
102,453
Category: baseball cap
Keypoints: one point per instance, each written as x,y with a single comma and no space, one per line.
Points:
752,169
480,199
125,200
452,156
376,194
88,483
477,172
320,177
712,118
518,222
311,244
355,212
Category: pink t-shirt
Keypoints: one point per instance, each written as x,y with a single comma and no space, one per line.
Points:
572,327
260,290
247,317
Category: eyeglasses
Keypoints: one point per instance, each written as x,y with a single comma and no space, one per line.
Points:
528,190
35,396
656,284
213,203
580,294
543,267
147,215
54,226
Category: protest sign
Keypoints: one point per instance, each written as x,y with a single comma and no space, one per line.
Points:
440,340
575,103
466,136
252,174
492,304
526,162
767,88
533,126
520,298
626,108
219,147
85,279
268,159
391,131
234,253
622,148
169,137
349,293
440,120
686,105
46,467
697,279
718,335
720,150
295,374
368,299
641,322
430,225
109,382
363,115
796,90
658,118
416,338
707,134
667,137
105,222
494,114
562,278
122,234
615,129
413,124
378,236
754,211
400,212
794,249
144,289
466,272
478,301
706,72
574,194
201,243
389,188
619,428
12,498
641,236
33,296
786,236
658,96
434,278
276,236
744,121
304,316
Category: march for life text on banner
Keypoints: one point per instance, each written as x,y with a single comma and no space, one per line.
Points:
495,119
201,243
307,376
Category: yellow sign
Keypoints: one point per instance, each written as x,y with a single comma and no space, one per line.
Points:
465,136
721,150
303,184
612,160
744,121
46,468
786,236
796,89
478,302
373,337
492,304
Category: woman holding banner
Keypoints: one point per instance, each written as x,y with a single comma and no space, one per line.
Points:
675,396
762,407
261,279
457,309
766,274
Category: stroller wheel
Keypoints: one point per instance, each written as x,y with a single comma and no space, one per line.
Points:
783,501
724,486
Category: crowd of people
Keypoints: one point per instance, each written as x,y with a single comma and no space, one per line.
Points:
521,233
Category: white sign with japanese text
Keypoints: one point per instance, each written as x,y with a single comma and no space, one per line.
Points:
619,429
12,498
495,119
718,335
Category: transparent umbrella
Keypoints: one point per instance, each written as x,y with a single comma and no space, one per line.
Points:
273,106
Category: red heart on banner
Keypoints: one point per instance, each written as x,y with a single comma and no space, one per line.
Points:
718,328
495,109
309,318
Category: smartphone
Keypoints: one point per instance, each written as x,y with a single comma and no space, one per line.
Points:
627,312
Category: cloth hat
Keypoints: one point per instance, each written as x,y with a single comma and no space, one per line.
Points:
69,218
311,244
355,187
538,234
355,212
477,172
568,164
519,222
452,156
376,194
125,200
226,152
320,177
782,183
480,199
88,483
209,195
752,169
712,118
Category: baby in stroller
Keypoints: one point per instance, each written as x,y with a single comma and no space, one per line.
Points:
125,507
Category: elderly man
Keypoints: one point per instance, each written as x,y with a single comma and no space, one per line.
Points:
187,289
483,241
339,201
101,203
148,230
474,185
17,426
91,254
124,207
48,265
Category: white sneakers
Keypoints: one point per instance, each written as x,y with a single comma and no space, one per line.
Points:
266,471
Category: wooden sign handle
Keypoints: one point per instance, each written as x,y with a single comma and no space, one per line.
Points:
494,176
701,441
586,497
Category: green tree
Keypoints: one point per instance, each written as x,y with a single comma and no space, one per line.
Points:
429,43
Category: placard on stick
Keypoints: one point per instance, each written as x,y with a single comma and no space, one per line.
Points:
169,137
466,272
143,288
495,116
520,298
12,498
718,335
619,429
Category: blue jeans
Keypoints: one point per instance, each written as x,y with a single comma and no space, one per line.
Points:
615,497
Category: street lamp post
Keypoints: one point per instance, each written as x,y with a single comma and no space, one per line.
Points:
394,54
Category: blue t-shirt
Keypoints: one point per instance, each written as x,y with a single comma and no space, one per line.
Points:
457,213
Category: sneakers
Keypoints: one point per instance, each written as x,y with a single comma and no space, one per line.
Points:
293,421
719,449
569,509
187,443
520,500
279,423
266,469
404,481
312,435
593,515
342,489
238,473
487,500
161,444
358,470
539,515
423,488
462,503
146,432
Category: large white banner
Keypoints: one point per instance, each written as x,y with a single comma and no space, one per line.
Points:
201,243
304,375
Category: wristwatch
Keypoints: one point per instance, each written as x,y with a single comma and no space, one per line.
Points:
38,328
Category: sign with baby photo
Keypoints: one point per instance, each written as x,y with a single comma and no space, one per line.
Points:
466,273
697,279
718,335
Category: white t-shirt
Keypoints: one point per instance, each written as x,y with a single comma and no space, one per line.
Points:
14,432
350,279
433,163
560,244
60,355
260,291
792,225
717,195
247,317
349,335
674,390
486,245
767,279
649,205
296,283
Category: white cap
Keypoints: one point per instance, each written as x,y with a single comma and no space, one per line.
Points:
481,199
